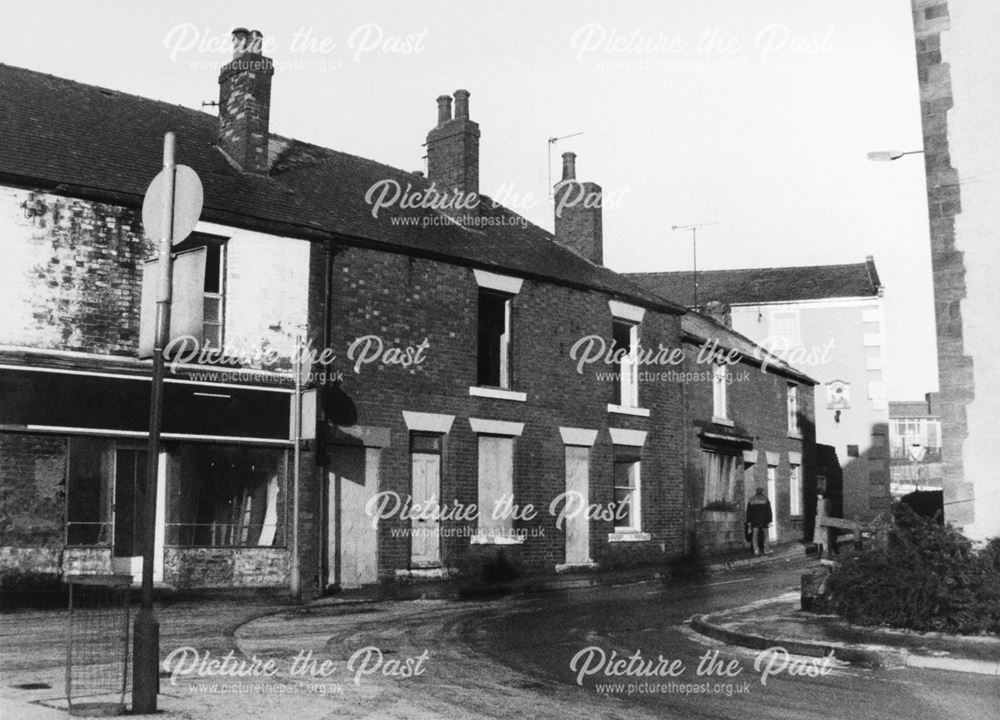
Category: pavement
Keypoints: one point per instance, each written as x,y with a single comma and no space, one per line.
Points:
780,622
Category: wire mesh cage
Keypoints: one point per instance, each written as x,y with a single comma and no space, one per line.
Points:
97,645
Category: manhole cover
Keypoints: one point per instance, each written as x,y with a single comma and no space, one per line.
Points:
33,686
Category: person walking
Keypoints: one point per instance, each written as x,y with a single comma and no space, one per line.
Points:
759,517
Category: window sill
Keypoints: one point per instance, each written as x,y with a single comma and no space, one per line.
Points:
497,393
629,536
424,573
722,421
481,538
626,410
575,567
795,435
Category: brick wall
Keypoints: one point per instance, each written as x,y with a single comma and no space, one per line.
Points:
32,490
71,272
406,300
757,403
225,567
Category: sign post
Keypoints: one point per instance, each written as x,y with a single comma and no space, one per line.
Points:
167,221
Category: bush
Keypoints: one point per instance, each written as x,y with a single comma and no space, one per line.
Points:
922,576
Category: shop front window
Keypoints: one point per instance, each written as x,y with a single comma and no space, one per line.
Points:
225,495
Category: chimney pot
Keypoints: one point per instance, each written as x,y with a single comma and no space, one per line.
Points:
462,104
569,166
256,42
444,109
241,41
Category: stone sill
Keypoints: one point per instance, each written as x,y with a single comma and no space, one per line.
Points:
497,393
424,573
484,539
572,567
629,536
723,421
627,410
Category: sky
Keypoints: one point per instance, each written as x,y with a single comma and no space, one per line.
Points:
756,115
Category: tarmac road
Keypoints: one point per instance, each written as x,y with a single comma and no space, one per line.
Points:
650,618
504,658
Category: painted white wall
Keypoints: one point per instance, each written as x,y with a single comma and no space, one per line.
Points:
837,340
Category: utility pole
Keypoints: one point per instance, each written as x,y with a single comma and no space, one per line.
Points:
694,253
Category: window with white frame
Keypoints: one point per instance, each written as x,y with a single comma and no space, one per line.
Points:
793,409
785,326
795,490
720,404
628,488
720,478
199,291
625,337
494,338
215,273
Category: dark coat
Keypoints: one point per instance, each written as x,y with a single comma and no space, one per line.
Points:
759,511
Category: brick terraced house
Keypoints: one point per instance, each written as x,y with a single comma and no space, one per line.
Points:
443,342
751,425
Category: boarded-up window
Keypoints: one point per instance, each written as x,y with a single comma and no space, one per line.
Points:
795,490
496,483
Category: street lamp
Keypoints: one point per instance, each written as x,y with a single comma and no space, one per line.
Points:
887,155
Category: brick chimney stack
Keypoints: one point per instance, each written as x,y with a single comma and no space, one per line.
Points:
453,147
245,103
579,215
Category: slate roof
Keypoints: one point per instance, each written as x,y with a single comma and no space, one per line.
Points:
927,408
82,140
700,328
751,286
